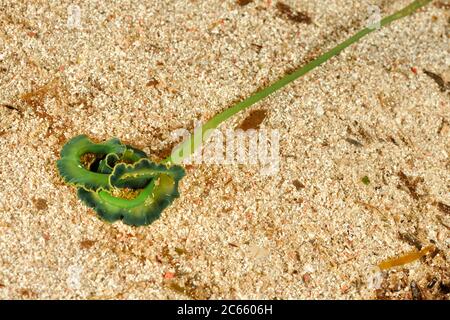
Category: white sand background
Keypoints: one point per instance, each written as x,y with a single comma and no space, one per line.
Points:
139,70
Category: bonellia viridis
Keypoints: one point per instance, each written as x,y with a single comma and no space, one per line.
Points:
121,183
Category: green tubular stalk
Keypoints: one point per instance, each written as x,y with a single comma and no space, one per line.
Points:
201,135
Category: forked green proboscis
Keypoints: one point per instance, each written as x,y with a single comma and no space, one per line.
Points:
73,170
115,168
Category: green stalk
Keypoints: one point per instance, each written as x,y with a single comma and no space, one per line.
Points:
202,135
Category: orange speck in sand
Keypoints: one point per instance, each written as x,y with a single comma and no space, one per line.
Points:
169,275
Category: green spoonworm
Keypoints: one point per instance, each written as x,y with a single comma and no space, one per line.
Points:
100,170
160,190
120,183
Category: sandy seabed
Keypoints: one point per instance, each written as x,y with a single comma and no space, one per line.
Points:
364,149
